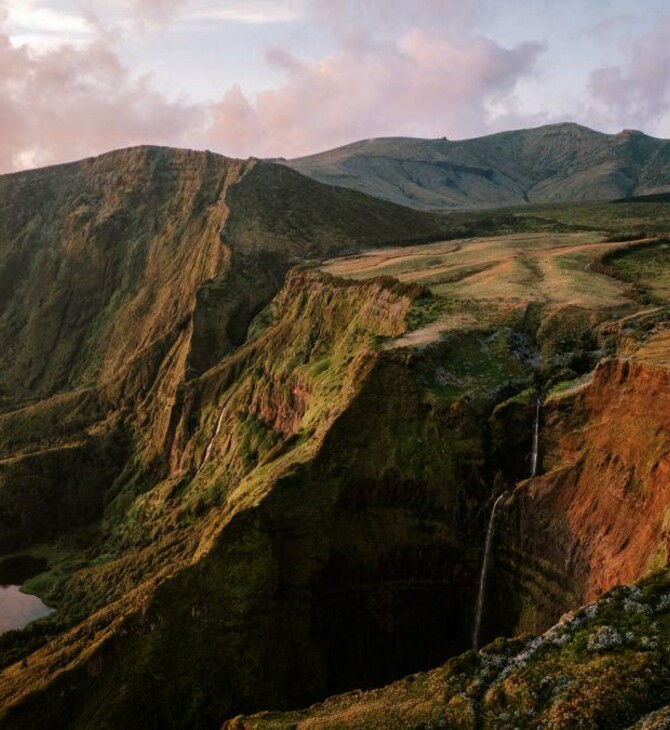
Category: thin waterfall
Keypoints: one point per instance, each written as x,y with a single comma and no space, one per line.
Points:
482,577
489,533
536,438
208,450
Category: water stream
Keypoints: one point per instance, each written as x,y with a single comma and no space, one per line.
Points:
482,576
210,445
536,439
489,533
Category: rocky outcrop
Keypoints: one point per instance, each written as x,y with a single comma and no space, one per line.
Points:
322,503
283,497
125,277
604,666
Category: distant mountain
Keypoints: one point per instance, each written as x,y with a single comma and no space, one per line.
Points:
555,163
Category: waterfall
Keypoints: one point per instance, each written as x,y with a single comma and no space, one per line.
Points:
208,450
482,577
489,533
536,438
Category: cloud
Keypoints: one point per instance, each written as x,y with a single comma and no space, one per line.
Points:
388,16
43,28
611,24
396,69
154,12
70,102
392,68
425,83
637,92
340,15
253,12
157,7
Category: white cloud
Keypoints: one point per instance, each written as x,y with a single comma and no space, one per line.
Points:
245,11
164,12
70,102
43,28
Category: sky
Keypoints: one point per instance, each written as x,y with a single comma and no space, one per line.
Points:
284,78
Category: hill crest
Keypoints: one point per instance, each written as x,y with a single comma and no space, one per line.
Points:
564,162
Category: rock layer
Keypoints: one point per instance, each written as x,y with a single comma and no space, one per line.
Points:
597,517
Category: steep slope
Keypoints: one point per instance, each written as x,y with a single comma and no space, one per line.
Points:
125,276
318,528
108,258
604,666
140,432
278,491
597,517
320,498
592,520
556,163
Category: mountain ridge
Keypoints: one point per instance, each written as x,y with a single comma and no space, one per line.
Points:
563,162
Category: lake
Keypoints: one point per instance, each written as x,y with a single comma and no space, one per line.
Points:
18,609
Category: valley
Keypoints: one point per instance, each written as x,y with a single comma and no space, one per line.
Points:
257,425
592,515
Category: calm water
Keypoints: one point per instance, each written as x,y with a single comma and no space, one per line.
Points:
19,609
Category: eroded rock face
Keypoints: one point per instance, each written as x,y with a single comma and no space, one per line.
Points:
337,499
124,277
89,248
291,508
597,517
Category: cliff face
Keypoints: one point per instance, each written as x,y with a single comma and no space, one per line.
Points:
87,252
264,492
103,262
591,523
319,499
603,666
123,278
597,517
134,407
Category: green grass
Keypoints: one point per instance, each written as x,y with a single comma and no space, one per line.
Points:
428,309
646,267
475,364
567,386
620,220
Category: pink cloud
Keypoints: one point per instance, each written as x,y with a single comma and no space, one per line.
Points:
398,68
636,93
156,12
72,102
424,84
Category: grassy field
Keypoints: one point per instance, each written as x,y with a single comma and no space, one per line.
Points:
637,217
598,258
483,280
648,267
517,268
